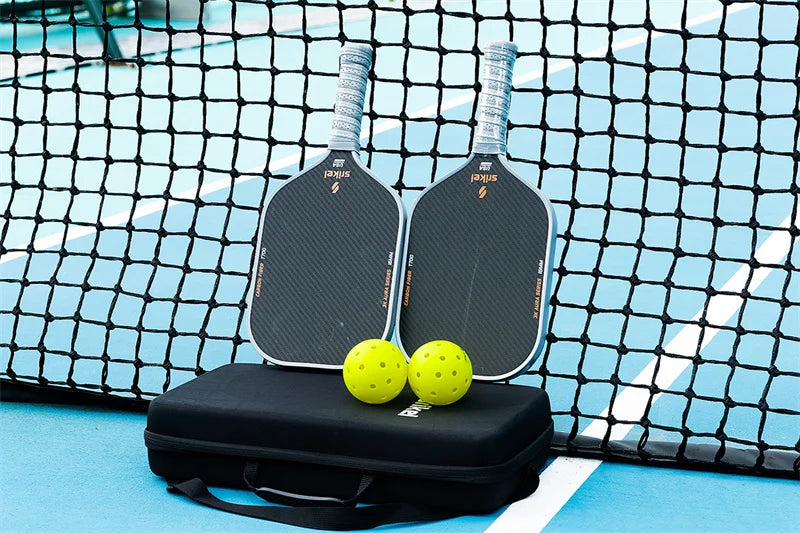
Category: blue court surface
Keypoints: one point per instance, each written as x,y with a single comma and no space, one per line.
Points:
71,469
78,469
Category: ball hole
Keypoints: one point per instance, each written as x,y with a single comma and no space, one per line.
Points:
458,357
419,375
372,386
438,374
361,366
465,380
433,393
389,380
455,389
454,372
383,365
442,357
426,355
398,365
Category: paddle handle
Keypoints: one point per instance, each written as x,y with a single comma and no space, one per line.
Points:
354,63
495,99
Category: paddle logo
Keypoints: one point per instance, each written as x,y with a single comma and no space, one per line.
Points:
483,176
336,175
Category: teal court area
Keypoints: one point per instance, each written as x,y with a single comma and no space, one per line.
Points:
668,244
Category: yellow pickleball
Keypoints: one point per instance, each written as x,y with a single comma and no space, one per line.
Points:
375,371
440,372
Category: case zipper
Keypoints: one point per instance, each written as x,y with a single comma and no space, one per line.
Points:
465,474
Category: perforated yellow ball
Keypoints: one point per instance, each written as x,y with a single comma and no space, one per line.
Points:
375,371
440,372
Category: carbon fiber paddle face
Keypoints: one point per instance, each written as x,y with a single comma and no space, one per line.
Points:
325,272
478,268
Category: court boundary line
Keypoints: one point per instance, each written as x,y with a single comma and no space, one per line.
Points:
566,475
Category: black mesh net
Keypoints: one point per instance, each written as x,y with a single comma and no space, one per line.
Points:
138,140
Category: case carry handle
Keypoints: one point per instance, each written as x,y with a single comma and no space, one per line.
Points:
345,516
331,518
300,500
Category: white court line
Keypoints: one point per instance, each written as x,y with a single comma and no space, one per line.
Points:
148,208
154,206
565,475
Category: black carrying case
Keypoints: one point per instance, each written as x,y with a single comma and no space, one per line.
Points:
299,438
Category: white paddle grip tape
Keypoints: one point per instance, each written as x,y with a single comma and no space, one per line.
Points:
354,63
495,98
